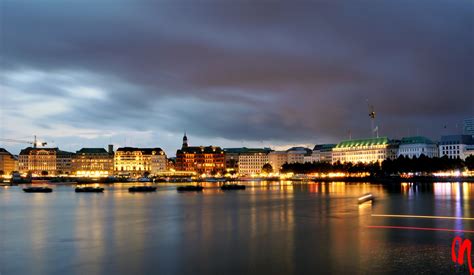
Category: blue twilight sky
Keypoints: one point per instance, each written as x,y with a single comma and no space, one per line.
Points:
232,73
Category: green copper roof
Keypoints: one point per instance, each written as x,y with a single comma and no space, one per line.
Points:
416,140
362,142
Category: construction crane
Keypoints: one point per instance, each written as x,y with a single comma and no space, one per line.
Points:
35,142
374,129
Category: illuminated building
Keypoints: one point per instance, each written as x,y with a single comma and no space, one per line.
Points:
93,162
132,161
8,162
416,146
277,159
455,146
323,152
45,161
209,160
246,161
297,154
365,150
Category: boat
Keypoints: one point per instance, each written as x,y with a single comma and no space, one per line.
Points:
142,189
37,190
144,179
365,198
233,187
190,188
89,189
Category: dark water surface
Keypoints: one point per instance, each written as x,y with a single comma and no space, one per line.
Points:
270,228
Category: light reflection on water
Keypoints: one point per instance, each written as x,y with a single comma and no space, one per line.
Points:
271,227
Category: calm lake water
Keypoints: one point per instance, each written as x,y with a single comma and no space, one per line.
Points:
270,228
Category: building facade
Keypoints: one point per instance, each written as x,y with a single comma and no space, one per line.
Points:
298,154
323,152
45,161
93,162
277,159
469,126
132,161
365,150
455,146
209,160
8,162
250,157
416,146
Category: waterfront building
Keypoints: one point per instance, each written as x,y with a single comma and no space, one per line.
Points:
469,126
365,150
8,162
298,154
323,152
132,161
45,161
209,160
455,146
277,159
416,146
93,162
250,157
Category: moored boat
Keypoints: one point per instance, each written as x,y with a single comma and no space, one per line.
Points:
142,189
365,198
89,189
233,187
37,190
190,188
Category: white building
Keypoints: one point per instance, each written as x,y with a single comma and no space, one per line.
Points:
365,150
277,159
323,152
252,163
416,146
298,154
455,146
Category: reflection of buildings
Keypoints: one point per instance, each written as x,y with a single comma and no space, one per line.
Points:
46,161
8,162
323,152
138,161
456,146
200,159
416,146
93,162
365,150
277,159
246,161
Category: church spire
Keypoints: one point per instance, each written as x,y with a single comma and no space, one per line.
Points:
185,140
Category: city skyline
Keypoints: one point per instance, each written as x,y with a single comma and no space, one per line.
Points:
140,75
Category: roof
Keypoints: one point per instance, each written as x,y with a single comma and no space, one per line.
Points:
245,150
363,142
200,149
92,151
147,151
28,150
323,147
416,140
3,150
457,139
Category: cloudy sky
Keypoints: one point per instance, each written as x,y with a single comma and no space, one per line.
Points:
232,73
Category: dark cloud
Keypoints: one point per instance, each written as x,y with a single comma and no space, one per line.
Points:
292,71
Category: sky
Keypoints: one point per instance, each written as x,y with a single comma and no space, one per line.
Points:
232,73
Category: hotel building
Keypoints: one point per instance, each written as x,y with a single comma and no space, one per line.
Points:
8,162
234,156
365,150
45,161
298,154
131,161
209,160
455,146
416,146
93,162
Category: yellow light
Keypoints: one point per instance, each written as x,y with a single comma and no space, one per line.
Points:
422,217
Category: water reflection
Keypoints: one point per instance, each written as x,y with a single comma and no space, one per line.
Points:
271,227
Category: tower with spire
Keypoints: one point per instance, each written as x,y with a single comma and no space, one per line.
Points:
185,141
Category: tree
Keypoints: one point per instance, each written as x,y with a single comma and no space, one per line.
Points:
470,162
2,173
267,168
44,173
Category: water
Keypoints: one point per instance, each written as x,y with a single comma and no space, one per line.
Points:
270,228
